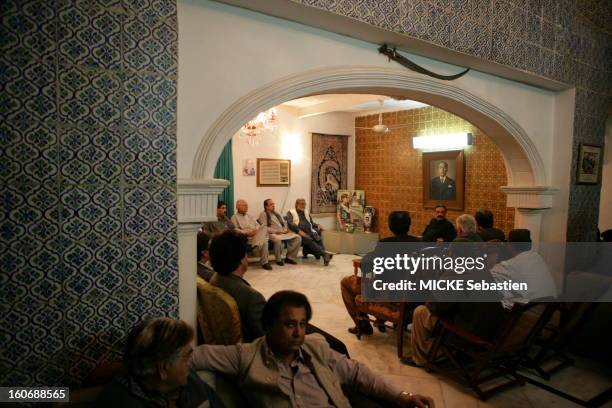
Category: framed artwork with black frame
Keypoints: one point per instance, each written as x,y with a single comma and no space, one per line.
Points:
443,179
589,164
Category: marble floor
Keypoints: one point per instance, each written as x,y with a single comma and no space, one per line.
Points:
322,286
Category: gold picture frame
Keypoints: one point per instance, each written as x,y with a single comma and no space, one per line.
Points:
273,173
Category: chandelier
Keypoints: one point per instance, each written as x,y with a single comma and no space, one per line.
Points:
267,120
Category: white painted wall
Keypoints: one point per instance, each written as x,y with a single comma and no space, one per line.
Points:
605,203
226,52
292,140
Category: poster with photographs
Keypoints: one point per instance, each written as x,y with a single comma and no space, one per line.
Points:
349,210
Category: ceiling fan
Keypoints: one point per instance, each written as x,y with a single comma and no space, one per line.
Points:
380,127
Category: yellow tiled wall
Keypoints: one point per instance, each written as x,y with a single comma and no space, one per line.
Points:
390,170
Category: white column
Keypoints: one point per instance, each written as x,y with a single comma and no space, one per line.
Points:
196,203
187,236
530,219
529,202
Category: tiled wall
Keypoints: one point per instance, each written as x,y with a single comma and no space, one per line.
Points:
390,170
88,172
567,40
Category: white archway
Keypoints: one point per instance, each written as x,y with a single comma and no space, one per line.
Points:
523,162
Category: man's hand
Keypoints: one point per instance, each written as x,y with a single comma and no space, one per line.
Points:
302,234
251,233
416,400
319,227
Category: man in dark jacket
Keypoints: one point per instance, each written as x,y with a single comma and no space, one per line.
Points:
157,359
350,286
205,271
228,256
486,230
439,228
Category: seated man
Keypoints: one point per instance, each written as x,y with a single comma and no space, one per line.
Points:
279,233
300,222
256,233
223,223
205,271
350,286
486,230
525,266
467,229
157,356
228,256
480,318
439,228
287,368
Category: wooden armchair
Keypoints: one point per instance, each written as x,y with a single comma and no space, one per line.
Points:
399,314
218,315
477,361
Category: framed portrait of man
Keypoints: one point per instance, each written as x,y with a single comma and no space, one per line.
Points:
443,179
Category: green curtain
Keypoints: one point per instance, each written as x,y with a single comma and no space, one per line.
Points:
224,170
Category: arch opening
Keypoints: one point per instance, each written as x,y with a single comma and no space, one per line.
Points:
523,163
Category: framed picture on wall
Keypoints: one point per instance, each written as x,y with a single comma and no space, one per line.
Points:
589,164
443,179
273,172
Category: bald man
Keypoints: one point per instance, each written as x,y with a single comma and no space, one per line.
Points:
257,234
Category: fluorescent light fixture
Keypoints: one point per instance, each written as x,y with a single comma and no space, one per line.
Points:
448,141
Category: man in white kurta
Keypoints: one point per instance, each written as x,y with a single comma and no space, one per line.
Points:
278,233
258,234
525,266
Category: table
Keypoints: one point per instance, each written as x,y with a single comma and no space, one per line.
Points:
356,243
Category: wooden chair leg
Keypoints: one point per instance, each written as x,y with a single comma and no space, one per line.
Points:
400,341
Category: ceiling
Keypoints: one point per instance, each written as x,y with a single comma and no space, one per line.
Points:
352,103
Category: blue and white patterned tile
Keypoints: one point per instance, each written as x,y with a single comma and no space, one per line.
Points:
151,9
439,32
28,30
34,331
151,279
29,152
91,211
89,36
562,40
150,157
507,49
95,269
151,270
532,55
472,39
90,155
27,88
149,102
418,21
150,46
509,18
548,35
533,28
89,96
547,61
150,210
101,325
30,219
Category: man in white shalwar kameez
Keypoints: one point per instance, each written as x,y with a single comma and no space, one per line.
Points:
258,234
278,233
